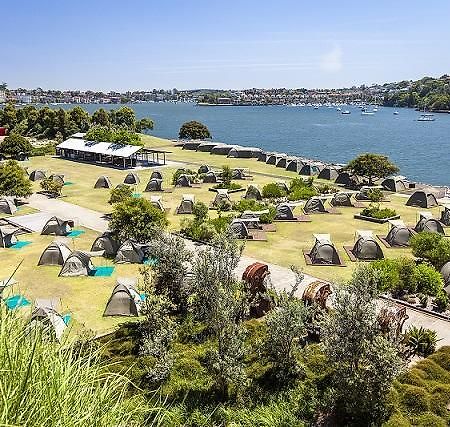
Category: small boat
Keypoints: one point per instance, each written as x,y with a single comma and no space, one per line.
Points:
375,110
345,112
367,113
338,109
396,113
426,118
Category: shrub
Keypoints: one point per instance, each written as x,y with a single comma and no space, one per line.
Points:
43,150
389,278
375,195
231,186
415,400
397,420
272,191
14,180
429,419
420,341
300,183
428,280
180,172
200,211
441,301
51,186
431,246
227,176
374,211
15,144
253,205
325,189
302,193
440,397
119,194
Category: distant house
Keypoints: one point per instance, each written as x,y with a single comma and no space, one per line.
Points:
109,153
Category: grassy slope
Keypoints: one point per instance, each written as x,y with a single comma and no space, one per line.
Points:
283,247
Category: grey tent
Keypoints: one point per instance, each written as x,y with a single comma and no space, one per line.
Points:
445,271
7,206
284,212
347,180
283,186
282,162
57,178
183,181
107,242
77,264
56,253
57,226
130,252
132,179
239,229
399,234
394,184
37,175
103,182
263,156
329,172
445,216
186,205
274,158
429,224
244,152
366,248
192,145
206,146
253,193
222,149
45,318
363,194
124,300
7,237
314,205
221,199
238,173
156,201
295,165
341,199
309,169
156,175
154,184
204,169
323,251
210,177
422,199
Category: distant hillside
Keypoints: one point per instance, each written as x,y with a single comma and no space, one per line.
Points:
429,93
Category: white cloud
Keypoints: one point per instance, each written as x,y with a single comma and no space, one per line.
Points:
332,60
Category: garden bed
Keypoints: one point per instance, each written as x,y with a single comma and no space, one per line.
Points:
376,220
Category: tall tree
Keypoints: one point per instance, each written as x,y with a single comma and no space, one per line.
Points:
14,144
14,180
194,130
125,117
372,166
100,117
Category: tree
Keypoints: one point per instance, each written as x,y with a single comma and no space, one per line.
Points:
272,190
431,246
80,118
119,194
14,180
372,166
144,124
364,362
100,117
194,130
14,144
125,117
227,176
113,134
286,330
136,219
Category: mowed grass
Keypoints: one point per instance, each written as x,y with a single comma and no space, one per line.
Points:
84,297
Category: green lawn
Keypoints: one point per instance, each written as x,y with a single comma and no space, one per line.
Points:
86,297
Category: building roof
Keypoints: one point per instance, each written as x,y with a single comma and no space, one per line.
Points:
106,148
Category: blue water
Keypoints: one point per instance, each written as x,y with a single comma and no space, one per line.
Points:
420,149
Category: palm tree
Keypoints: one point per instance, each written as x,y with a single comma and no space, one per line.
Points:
420,341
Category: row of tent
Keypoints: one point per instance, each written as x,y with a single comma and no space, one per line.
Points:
234,151
131,178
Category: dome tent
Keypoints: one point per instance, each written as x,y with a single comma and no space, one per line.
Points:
399,234
183,181
7,206
282,185
323,251
422,199
103,182
37,175
274,158
222,149
282,162
7,237
56,253
238,173
294,165
129,252
156,201
309,169
77,264
57,226
428,223
347,180
186,205
314,205
341,199
244,152
210,178
253,193
57,178
125,300
204,169
45,318
284,212
107,242
445,271
263,155
206,147
366,248
132,179
329,172
154,184
445,215
238,229
395,184
222,197
156,175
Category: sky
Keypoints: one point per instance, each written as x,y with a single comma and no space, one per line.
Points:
234,44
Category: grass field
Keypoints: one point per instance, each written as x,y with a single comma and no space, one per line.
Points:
86,297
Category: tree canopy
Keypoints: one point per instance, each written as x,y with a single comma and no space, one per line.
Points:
15,144
14,180
194,130
119,135
372,166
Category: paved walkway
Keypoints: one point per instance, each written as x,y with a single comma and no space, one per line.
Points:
282,277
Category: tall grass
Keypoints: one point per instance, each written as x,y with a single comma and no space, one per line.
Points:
48,384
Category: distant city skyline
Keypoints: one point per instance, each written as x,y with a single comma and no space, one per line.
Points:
109,46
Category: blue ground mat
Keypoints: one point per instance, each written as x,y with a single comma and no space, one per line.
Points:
67,318
16,301
75,233
106,271
68,183
20,245
136,195
152,262
143,297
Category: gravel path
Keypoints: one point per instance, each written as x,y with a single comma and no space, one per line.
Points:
282,277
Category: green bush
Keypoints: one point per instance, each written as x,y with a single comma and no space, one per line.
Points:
375,195
374,211
431,246
272,191
442,300
397,420
303,193
14,144
429,420
182,171
43,150
431,369
442,357
253,205
118,135
389,278
440,398
230,186
413,376
119,194
428,280
414,400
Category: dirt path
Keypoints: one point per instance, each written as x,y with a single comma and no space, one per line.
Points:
282,277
